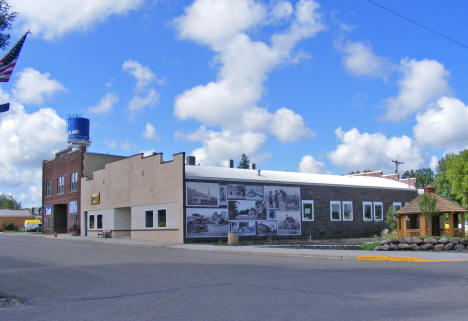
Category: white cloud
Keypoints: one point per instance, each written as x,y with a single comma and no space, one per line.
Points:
309,164
147,152
360,60
143,75
51,19
138,102
434,163
422,81
112,143
27,139
358,151
282,10
33,87
150,132
127,145
217,147
244,66
443,125
105,104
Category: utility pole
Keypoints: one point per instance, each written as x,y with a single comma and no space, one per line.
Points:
396,165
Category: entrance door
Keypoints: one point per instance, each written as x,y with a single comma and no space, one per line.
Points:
60,218
435,226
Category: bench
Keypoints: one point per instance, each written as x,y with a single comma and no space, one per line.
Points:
104,234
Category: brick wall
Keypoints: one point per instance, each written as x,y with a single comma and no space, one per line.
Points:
18,221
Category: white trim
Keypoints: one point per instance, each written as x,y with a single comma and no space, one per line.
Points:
376,204
364,212
343,210
331,212
398,204
313,210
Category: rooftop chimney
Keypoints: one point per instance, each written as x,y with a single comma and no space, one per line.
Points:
259,172
254,166
429,189
231,163
191,160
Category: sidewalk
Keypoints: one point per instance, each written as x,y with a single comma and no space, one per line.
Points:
405,256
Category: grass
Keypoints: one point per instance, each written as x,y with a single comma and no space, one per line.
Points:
369,246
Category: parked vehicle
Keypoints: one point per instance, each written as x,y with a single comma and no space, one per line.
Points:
33,225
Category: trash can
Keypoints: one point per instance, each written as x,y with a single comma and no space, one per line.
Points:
233,238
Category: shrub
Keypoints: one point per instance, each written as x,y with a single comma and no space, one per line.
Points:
369,246
9,226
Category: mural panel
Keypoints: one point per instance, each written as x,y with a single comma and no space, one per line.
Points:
236,191
207,222
202,194
246,210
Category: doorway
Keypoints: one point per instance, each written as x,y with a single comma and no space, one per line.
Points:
60,218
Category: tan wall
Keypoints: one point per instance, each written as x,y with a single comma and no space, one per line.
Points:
17,221
138,181
163,236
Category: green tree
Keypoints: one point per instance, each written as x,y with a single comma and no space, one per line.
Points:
428,205
457,176
424,176
244,163
6,19
9,202
391,218
441,183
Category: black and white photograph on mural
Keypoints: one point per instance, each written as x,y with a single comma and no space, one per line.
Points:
236,191
202,194
282,197
254,192
266,228
272,214
247,227
289,223
246,210
234,226
222,195
207,222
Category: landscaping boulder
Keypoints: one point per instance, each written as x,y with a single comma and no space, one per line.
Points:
455,241
431,241
464,242
439,247
444,240
403,246
384,247
417,240
408,240
402,240
459,247
449,246
385,232
414,247
393,247
426,246
385,242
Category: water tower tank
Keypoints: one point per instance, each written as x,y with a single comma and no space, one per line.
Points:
78,131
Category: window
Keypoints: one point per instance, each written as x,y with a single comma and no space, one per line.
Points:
347,211
60,185
378,211
74,182
149,219
397,206
367,211
162,218
48,187
335,211
307,210
91,222
99,221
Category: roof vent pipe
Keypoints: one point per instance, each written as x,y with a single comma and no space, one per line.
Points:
259,171
231,163
254,166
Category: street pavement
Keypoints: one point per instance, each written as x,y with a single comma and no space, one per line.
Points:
44,278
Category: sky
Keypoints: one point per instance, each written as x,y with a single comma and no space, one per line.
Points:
313,86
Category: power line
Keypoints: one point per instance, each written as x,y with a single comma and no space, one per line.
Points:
440,34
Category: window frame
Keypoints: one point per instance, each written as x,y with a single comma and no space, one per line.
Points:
165,218
331,210
89,222
97,222
152,219
371,204
74,183
48,192
343,203
377,204
313,210
60,185
397,203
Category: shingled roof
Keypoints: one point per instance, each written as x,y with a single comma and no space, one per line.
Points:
443,205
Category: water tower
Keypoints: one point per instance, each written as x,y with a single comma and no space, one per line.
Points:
78,132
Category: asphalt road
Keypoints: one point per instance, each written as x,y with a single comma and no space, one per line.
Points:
55,279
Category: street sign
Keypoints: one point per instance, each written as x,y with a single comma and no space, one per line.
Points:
4,107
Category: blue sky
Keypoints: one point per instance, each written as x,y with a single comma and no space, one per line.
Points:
315,86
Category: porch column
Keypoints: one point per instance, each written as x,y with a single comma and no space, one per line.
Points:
450,223
462,216
422,225
398,226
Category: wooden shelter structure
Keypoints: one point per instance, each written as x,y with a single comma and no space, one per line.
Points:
412,222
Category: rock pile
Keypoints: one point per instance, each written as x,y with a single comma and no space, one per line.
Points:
429,244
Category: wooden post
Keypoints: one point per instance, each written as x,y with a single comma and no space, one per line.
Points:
398,226
450,224
462,216
422,224
403,226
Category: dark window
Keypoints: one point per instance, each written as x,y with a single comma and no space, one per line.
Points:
99,221
74,182
60,184
161,218
48,187
149,219
91,222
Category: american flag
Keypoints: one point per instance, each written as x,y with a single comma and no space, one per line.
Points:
9,61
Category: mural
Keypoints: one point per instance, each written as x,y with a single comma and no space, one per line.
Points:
246,209
202,194
207,222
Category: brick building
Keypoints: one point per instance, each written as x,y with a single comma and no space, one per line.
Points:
61,186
